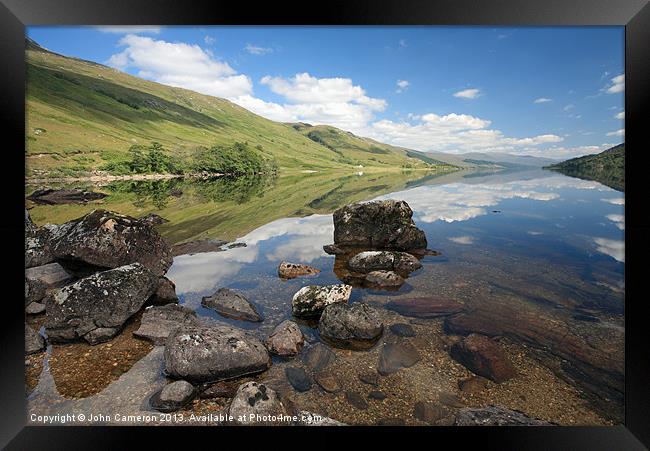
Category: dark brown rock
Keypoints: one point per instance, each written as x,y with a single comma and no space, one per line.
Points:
165,293
484,357
356,400
402,330
472,385
198,247
298,379
427,412
369,378
318,357
327,381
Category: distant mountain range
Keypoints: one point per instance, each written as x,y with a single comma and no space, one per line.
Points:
607,167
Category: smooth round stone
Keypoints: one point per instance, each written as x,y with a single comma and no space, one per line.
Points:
369,378
396,356
375,394
173,396
327,381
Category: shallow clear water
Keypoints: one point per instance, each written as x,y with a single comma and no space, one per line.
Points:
530,244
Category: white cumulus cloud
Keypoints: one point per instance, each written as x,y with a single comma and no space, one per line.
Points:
617,84
620,132
542,100
471,93
181,65
402,85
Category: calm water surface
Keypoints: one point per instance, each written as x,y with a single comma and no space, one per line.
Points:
527,244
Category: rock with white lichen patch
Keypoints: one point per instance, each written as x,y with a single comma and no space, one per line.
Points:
95,308
310,301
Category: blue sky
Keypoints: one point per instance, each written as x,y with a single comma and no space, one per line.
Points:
549,91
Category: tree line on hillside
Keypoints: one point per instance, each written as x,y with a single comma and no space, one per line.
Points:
236,159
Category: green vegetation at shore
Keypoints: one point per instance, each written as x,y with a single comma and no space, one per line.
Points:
84,117
607,167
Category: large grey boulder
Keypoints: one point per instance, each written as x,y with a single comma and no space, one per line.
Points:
258,404
496,416
95,308
159,322
286,339
103,239
350,326
231,304
310,301
40,280
34,342
384,224
207,353
400,262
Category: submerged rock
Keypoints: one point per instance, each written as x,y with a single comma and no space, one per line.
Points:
288,270
159,322
327,381
103,239
318,357
483,356
231,304
49,196
395,356
356,400
205,353
310,301
298,379
173,396
165,293
400,262
34,342
427,412
496,416
257,404
95,308
402,330
286,339
424,307
350,326
385,279
385,224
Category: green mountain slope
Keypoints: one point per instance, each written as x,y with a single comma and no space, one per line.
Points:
607,167
82,115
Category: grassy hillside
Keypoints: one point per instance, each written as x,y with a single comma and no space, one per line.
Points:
607,167
83,116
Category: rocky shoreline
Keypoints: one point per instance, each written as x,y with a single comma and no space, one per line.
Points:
90,277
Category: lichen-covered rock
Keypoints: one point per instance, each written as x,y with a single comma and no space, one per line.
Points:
310,301
288,270
34,342
173,396
385,224
258,404
165,293
159,322
350,326
95,308
231,304
103,239
205,353
39,242
496,416
400,262
484,357
286,339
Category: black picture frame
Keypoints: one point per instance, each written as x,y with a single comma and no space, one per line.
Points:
633,14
